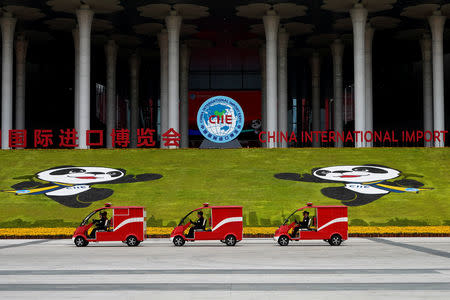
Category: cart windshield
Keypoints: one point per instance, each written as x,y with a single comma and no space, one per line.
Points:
185,219
86,220
207,213
291,218
298,217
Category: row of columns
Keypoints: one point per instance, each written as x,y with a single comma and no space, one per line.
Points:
8,23
82,46
433,74
174,96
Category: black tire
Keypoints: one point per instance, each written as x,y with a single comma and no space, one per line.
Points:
132,241
80,241
335,240
178,241
283,240
230,240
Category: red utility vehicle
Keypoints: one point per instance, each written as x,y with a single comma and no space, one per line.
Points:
222,223
326,222
125,223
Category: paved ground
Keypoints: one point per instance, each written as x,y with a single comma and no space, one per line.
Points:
410,268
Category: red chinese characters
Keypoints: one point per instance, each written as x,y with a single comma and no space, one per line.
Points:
145,137
99,134
120,137
43,138
17,138
171,138
68,138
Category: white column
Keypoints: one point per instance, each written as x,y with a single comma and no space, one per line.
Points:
262,58
184,95
315,73
8,24
359,15
173,24
368,70
437,21
271,22
21,54
76,91
162,41
135,62
427,81
337,50
84,17
283,39
111,109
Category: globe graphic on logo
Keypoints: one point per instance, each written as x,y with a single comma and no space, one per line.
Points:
219,110
220,119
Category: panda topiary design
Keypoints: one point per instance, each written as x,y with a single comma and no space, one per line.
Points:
72,186
362,183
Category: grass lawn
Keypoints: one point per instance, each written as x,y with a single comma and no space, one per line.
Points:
230,177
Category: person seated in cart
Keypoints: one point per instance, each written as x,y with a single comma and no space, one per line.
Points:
100,224
302,224
199,224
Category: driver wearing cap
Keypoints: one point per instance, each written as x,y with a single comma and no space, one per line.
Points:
199,224
302,224
100,224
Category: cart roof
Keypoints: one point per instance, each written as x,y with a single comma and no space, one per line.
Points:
109,207
219,207
323,206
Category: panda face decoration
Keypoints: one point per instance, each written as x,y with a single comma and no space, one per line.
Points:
363,184
80,175
355,174
71,186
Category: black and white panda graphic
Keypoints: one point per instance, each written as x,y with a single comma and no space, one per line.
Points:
362,183
72,186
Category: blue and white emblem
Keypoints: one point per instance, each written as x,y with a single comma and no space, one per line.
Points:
220,119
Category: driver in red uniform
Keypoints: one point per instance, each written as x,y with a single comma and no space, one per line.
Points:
302,224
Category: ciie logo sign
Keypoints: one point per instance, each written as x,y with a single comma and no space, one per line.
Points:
220,119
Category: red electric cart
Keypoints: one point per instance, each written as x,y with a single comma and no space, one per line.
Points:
326,222
222,223
125,223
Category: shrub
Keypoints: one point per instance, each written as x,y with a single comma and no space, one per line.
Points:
252,219
358,222
171,224
401,222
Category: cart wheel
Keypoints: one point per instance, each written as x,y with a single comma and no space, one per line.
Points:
335,240
230,240
80,241
132,241
178,241
283,240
